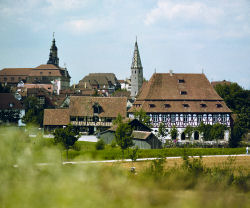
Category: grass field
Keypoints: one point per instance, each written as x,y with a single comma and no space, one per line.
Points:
188,183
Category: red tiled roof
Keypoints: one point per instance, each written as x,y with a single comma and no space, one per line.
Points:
110,106
163,86
56,117
8,101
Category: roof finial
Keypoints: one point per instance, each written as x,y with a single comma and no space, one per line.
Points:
202,71
53,34
155,70
136,38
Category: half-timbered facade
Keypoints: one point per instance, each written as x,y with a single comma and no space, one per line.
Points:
88,114
181,100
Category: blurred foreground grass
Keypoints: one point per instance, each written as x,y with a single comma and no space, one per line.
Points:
26,183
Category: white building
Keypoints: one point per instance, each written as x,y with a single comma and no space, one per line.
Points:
182,100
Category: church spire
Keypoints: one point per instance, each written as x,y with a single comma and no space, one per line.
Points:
53,59
136,62
136,72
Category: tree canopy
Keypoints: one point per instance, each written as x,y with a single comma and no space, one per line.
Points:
66,136
123,136
142,116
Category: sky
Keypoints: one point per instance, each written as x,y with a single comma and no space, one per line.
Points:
186,36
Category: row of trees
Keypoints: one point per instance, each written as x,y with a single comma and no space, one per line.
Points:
238,100
210,132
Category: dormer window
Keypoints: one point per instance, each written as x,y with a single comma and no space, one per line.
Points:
41,72
11,105
203,105
218,105
151,105
183,92
96,108
181,81
167,105
185,105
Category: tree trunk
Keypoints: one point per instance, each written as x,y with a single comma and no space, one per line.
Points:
67,154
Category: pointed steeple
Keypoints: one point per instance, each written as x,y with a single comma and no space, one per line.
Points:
136,72
53,59
136,62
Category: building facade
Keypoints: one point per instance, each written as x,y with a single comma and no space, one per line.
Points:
136,72
88,114
182,100
50,73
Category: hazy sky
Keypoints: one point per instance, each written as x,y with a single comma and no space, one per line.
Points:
98,36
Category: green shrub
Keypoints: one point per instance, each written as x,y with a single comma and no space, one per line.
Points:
100,145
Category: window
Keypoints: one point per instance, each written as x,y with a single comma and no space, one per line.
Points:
203,105
95,118
185,105
72,118
199,118
167,105
218,105
164,118
215,118
183,92
49,73
12,78
185,118
155,118
181,80
5,78
19,78
173,118
80,118
151,105
41,72
224,118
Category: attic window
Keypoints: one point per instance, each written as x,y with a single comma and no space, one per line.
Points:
41,72
11,105
49,72
185,105
167,105
181,80
203,105
151,105
183,92
218,105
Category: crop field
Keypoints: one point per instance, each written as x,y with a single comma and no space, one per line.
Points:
188,182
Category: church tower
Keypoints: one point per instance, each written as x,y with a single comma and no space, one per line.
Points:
53,59
136,72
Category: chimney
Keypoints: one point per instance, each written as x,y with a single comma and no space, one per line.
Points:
171,72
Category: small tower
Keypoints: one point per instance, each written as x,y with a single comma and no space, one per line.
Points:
136,72
53,59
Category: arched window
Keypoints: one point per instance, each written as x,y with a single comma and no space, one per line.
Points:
196,135
183,136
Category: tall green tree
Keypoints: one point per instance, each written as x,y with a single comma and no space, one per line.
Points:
162,131
118,120
174,133
142,116
188,131
238,100
123,136
66,136
33,111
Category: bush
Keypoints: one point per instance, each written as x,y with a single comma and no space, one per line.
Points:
100,145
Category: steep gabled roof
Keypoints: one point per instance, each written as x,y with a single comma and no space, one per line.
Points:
15,71
56,117
164,86
9,102
110,106
47,66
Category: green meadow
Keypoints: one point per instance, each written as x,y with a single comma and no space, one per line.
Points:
27,182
